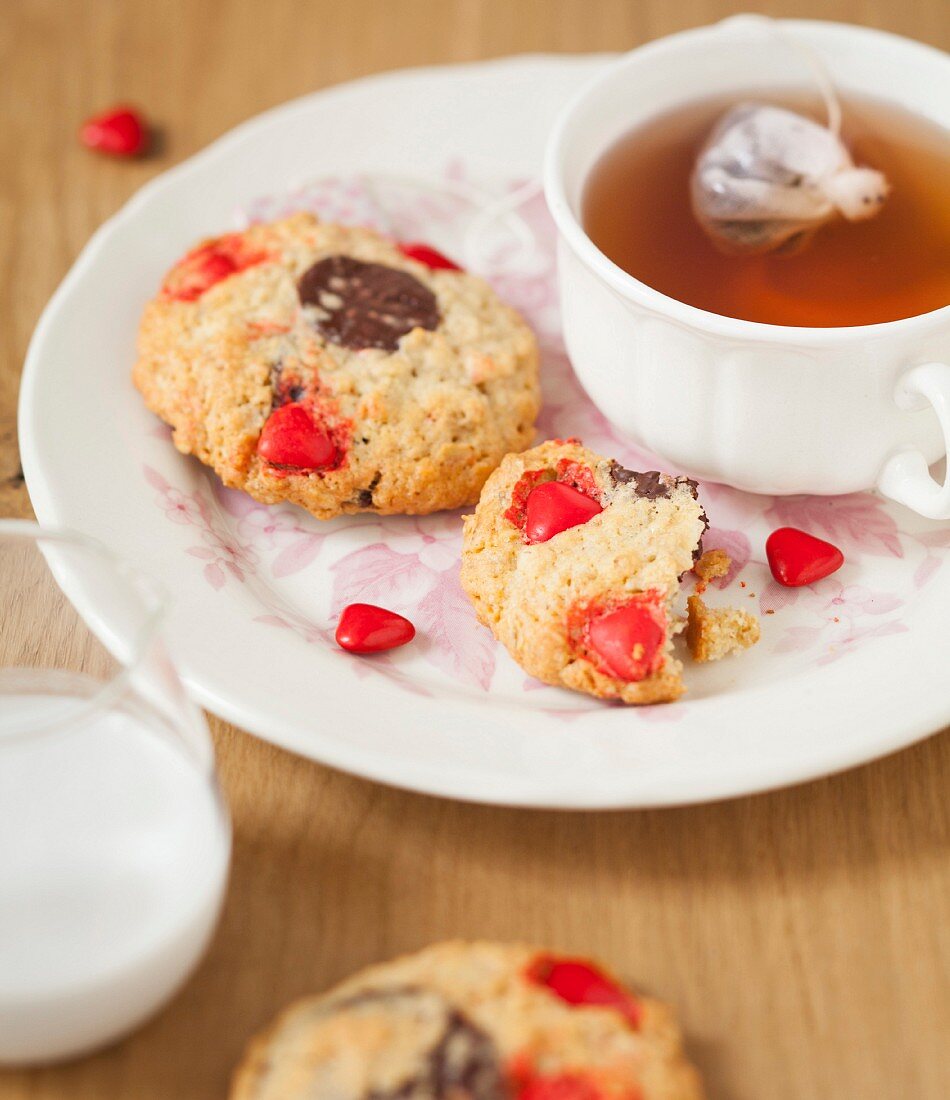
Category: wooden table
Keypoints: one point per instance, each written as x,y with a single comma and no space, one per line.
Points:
804,935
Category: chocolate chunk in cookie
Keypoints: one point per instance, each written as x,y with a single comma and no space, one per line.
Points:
652,485
464,1063
361,305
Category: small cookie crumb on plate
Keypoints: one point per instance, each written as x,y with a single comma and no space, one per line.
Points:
713,633
712,564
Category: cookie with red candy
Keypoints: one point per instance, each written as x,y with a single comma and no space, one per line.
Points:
337,369
574,562
472,1021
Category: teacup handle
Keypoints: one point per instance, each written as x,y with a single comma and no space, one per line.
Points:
904,476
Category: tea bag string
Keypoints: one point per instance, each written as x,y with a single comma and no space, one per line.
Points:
810,59
476,235
488,212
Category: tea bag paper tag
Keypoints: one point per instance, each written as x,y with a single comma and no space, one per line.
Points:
768,177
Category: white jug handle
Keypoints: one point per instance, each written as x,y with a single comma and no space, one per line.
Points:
904,477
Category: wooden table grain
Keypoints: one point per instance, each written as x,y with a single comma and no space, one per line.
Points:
804,935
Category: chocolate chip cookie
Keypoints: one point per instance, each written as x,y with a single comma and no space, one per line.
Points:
573,562
472,1021
323,365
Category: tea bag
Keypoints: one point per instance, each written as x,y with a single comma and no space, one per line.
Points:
767,178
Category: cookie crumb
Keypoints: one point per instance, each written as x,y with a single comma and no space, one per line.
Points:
712,633
713,563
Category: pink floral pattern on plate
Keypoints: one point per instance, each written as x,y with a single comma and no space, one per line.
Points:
410,564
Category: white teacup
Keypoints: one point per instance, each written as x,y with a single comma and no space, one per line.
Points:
762,407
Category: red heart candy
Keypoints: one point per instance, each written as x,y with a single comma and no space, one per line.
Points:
426,254
578,982
554,507
797,558
567,1086
209,264
630,641
292,438
120,132
365,628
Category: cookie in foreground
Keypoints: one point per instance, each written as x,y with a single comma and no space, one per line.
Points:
319,364
472,1021
574,563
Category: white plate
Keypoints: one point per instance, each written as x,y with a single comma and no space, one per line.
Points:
847,670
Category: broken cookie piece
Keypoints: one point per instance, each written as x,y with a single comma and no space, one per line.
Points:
712,633
574,563
712,564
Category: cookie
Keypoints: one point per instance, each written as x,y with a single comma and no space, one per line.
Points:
319,364
712,564
716,632
472,1021
589,605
